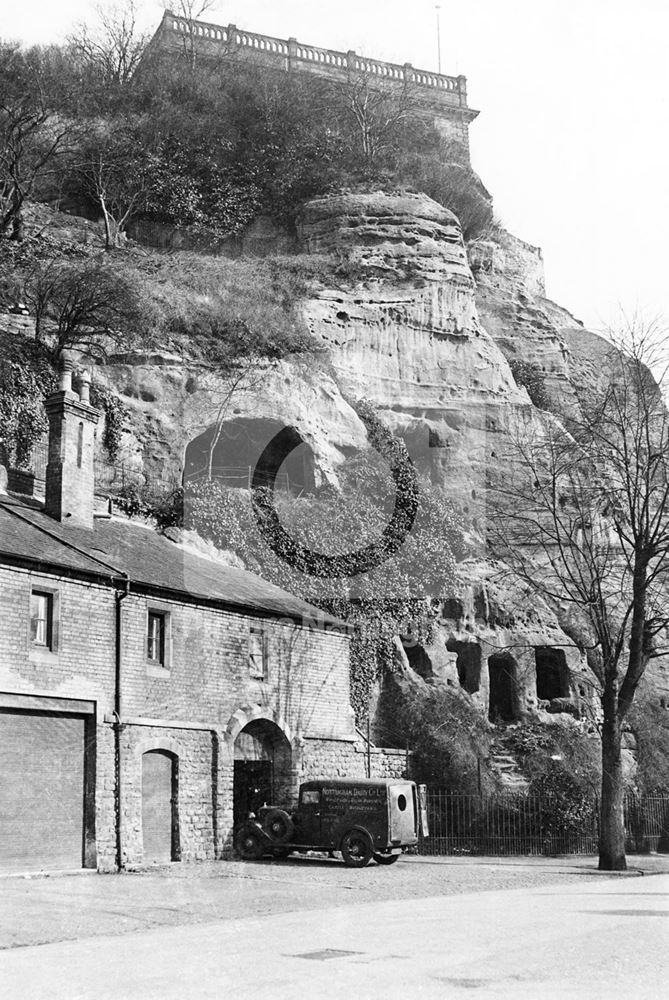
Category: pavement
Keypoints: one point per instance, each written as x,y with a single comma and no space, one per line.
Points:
427,927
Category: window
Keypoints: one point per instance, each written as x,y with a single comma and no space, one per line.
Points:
41,618
155,640
310,797
257,654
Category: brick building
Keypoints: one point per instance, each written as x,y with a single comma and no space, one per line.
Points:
149,695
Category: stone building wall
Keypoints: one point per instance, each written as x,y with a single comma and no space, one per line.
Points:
193,708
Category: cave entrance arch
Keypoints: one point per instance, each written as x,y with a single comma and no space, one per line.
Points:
552,673
229,453
467,664
262,768
502,675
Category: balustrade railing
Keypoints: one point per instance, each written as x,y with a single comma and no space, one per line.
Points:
291,52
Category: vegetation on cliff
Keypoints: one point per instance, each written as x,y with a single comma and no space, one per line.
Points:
204,146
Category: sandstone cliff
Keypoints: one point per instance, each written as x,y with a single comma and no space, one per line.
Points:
426,332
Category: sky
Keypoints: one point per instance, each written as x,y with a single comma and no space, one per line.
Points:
572,138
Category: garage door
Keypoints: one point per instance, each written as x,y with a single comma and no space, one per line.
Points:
41,791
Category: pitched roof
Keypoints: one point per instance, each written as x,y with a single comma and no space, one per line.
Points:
116,548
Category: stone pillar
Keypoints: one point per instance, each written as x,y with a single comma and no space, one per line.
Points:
462,90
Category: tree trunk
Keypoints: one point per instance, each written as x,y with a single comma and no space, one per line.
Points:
18,225
612,825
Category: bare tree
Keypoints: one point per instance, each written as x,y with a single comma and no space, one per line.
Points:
583,515
116,169
115,45
85,305
375,111
30,136
190,10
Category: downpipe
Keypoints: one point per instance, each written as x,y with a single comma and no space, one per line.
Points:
120,596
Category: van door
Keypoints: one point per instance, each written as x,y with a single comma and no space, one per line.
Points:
402,814
309,814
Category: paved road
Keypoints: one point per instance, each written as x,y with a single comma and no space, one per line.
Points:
591,939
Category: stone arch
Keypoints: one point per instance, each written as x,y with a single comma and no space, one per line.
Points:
236,447
165,743
263,765
252,713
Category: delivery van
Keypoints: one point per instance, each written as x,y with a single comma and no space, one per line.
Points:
363,819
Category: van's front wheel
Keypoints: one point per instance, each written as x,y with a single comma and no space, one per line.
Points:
357,848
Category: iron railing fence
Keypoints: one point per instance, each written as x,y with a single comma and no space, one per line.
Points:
525,824
239,477
647,823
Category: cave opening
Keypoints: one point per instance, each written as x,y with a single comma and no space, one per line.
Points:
229,454
418,658
552,673
467,664
503,701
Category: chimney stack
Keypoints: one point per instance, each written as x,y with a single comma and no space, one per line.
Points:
70,479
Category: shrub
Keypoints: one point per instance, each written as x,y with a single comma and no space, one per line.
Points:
26,377
649,722
454,186
449,739
531,376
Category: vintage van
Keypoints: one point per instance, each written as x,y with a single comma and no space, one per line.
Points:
363,819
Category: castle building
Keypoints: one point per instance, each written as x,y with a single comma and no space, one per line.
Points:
149,696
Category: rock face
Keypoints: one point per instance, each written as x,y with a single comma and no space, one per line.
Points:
406,335
409,325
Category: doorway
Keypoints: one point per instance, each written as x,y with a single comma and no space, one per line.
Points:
160,819
502,677
262,769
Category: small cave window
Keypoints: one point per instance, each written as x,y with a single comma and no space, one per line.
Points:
552,673
452,609
468,664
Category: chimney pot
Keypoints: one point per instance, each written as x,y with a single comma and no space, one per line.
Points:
65,371
85,387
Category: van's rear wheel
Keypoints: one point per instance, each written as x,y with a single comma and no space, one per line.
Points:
386,859
357,848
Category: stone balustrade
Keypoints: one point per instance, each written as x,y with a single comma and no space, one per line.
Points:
289,54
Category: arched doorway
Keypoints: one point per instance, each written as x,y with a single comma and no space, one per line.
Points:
263,758
160,816
503,703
